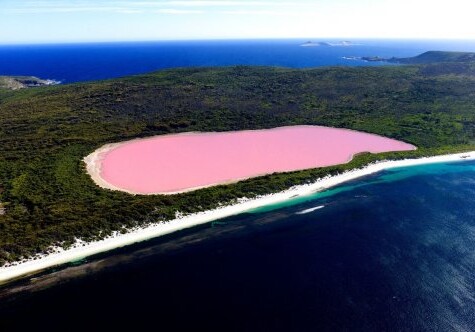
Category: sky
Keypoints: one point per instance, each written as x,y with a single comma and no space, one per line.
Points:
58,21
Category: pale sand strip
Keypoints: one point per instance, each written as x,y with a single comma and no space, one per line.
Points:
93,166
82,250
93,163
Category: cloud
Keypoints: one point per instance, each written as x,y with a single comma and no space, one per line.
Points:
173,7
254,12
199,3
129,11
174,11
121,7
46,10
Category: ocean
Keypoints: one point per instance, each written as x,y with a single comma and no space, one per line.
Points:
392,251
70,63
389,252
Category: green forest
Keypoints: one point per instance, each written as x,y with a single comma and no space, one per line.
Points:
45,132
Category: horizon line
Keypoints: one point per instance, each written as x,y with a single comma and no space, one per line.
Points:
224,39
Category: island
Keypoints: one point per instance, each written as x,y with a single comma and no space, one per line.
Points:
53,212
327,44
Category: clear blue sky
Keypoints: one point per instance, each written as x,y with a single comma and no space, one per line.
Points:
46,21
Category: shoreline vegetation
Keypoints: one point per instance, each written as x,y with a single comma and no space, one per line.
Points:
82,249
47,199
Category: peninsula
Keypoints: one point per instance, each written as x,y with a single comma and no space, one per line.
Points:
22,82
424,58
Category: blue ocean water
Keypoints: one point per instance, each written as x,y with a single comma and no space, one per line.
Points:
394,251
391,252
84,62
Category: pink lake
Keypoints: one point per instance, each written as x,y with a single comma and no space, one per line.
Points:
181,162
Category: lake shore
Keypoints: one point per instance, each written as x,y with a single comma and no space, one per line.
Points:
82,249
132,166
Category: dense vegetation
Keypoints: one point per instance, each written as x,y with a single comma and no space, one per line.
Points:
45,132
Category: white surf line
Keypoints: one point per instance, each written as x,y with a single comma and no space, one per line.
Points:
82,249
311,209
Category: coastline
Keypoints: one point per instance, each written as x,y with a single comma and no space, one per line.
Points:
82,249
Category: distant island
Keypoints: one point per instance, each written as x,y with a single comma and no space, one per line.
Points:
23,82
327,44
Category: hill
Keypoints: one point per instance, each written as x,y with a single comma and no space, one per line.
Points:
47,198
437,57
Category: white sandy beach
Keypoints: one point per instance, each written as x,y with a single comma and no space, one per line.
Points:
82,250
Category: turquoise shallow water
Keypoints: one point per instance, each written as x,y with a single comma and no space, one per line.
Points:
389,252
394,251
390,175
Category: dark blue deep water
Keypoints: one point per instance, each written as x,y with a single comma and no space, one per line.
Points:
390,252
85,62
